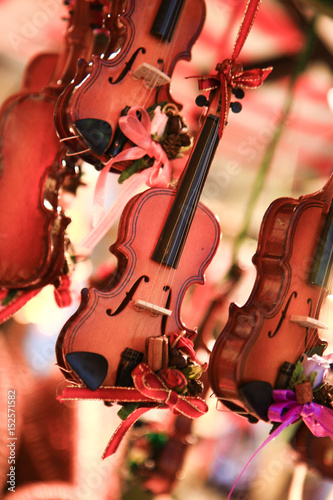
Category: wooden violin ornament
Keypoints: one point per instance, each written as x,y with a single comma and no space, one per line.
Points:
263,339
147,39
166,239
33,168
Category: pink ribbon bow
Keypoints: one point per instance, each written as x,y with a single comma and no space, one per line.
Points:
139,133
148,388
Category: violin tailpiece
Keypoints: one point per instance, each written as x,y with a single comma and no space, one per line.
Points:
157,353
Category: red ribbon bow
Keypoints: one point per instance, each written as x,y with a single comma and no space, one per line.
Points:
230,71
148,389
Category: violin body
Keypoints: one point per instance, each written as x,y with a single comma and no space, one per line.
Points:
33,169
32,229
107,322
109,84
38,72
271,328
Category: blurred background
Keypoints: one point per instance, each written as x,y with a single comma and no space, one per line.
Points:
279,145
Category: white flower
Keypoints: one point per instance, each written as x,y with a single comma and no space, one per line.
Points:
158,122
319,364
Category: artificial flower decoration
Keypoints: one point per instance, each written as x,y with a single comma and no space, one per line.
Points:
169,130
309,380
173,379
316,364
174,385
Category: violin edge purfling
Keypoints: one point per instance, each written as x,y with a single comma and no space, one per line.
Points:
281,295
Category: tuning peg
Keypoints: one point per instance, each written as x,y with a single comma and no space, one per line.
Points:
238,93
236,107
201,101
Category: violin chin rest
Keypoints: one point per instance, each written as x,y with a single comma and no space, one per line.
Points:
92,368
96,133
258,396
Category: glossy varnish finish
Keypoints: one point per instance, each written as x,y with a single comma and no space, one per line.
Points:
261,335
106,86
108,322
33,165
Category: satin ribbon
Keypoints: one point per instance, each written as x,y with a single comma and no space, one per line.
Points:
148,388
139,132
286,410
230,72
318,418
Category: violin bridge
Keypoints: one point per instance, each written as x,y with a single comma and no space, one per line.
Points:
158,310
308,322
152,76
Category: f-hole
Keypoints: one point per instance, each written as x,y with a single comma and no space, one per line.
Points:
128,297
283,315
127,67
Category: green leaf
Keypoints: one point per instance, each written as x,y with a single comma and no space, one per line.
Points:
297,376
127,409
132,169
192,372
9,297
313,378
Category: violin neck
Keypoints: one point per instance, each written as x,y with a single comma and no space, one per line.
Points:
167,19
323,259
173,237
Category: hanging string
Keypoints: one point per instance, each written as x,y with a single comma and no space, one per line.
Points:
272,145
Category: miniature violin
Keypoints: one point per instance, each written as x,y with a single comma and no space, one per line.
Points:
147,40
38,72
34,167
166,239
262,340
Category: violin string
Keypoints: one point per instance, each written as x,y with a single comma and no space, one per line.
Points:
164,274
164,54
321,296
166,58
327,278
172,272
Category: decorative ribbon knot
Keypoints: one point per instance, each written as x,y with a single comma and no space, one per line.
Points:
285,409
138,130
231,73
148,384
148,389
318,418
